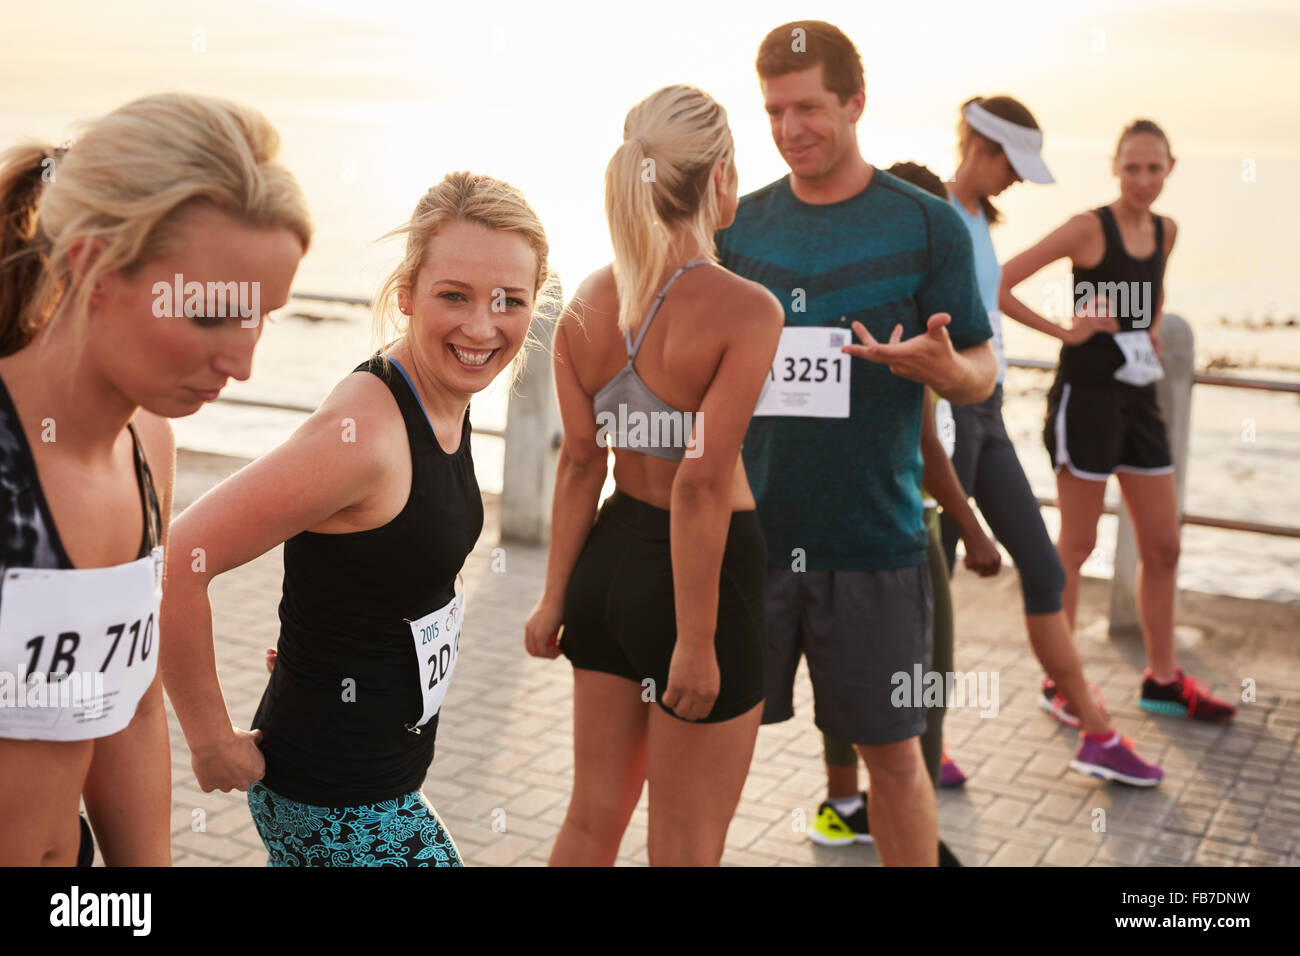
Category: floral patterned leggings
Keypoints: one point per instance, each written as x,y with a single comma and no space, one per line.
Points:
404,831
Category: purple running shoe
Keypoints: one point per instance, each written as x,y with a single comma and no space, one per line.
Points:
1115,760
950,774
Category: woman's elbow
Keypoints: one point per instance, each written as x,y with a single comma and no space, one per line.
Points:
582,460
692,484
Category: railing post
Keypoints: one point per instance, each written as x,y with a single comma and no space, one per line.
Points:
533,435
1174,393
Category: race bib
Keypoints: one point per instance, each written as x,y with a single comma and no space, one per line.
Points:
995,323
437,644
945,425
78,648
1141,366
809,377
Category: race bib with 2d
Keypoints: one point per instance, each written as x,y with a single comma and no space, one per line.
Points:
78,648
437,645
1141,365
809,377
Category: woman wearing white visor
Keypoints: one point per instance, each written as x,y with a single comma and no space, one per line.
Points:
1000,143
1102,417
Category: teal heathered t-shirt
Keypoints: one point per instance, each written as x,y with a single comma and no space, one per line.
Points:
844,493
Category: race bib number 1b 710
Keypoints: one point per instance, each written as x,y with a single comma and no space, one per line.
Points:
78,648
809,377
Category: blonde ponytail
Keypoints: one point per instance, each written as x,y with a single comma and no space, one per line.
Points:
659,184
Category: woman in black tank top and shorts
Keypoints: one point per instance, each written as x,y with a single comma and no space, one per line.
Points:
99,352
1102,416
662,356
377,504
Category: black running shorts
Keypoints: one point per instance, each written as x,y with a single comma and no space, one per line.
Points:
1098,430
620,612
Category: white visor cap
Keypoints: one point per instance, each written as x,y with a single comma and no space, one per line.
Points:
1022,144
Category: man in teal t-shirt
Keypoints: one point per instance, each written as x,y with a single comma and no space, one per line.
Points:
833,453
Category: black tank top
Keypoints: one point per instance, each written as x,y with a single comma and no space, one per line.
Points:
1132,286
346,683
30,535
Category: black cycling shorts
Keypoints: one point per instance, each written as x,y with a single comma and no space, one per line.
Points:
620,612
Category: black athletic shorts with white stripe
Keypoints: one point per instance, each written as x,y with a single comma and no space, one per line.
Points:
1098,430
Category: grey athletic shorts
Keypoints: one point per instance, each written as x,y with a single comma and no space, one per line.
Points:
857,629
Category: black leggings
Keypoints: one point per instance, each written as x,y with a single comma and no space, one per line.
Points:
987,466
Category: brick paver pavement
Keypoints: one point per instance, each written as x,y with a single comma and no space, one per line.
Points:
502,772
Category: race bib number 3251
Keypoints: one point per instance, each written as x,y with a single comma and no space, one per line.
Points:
809,376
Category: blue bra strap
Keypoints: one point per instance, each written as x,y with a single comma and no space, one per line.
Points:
632,349
413,391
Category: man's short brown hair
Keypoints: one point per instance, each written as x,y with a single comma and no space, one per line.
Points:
802,44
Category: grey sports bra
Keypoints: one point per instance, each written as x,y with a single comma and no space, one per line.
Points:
629,415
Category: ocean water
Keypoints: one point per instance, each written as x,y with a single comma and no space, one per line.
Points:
1245,445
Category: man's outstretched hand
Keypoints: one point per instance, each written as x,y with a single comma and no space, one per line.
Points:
928,358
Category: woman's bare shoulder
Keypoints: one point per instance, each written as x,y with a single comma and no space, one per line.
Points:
739,299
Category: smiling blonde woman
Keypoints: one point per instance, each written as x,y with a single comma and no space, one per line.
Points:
377,504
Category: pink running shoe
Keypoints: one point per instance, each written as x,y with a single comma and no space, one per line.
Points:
1054,702
950,774
1115,759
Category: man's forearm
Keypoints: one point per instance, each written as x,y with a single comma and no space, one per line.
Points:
974,376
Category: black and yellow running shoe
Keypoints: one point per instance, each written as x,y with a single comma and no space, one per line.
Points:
831,829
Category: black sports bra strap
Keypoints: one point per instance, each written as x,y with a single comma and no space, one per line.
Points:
632,349
148,496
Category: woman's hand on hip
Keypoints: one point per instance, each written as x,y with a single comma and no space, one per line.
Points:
231,764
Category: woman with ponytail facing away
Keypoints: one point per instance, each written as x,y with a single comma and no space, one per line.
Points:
662,356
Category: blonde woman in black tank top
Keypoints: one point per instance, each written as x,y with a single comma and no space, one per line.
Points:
1102,416
376,501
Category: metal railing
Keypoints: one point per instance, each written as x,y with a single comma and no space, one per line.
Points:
531,414
1200,378
308,409
1191,518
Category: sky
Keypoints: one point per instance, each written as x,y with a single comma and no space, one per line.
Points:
376,101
